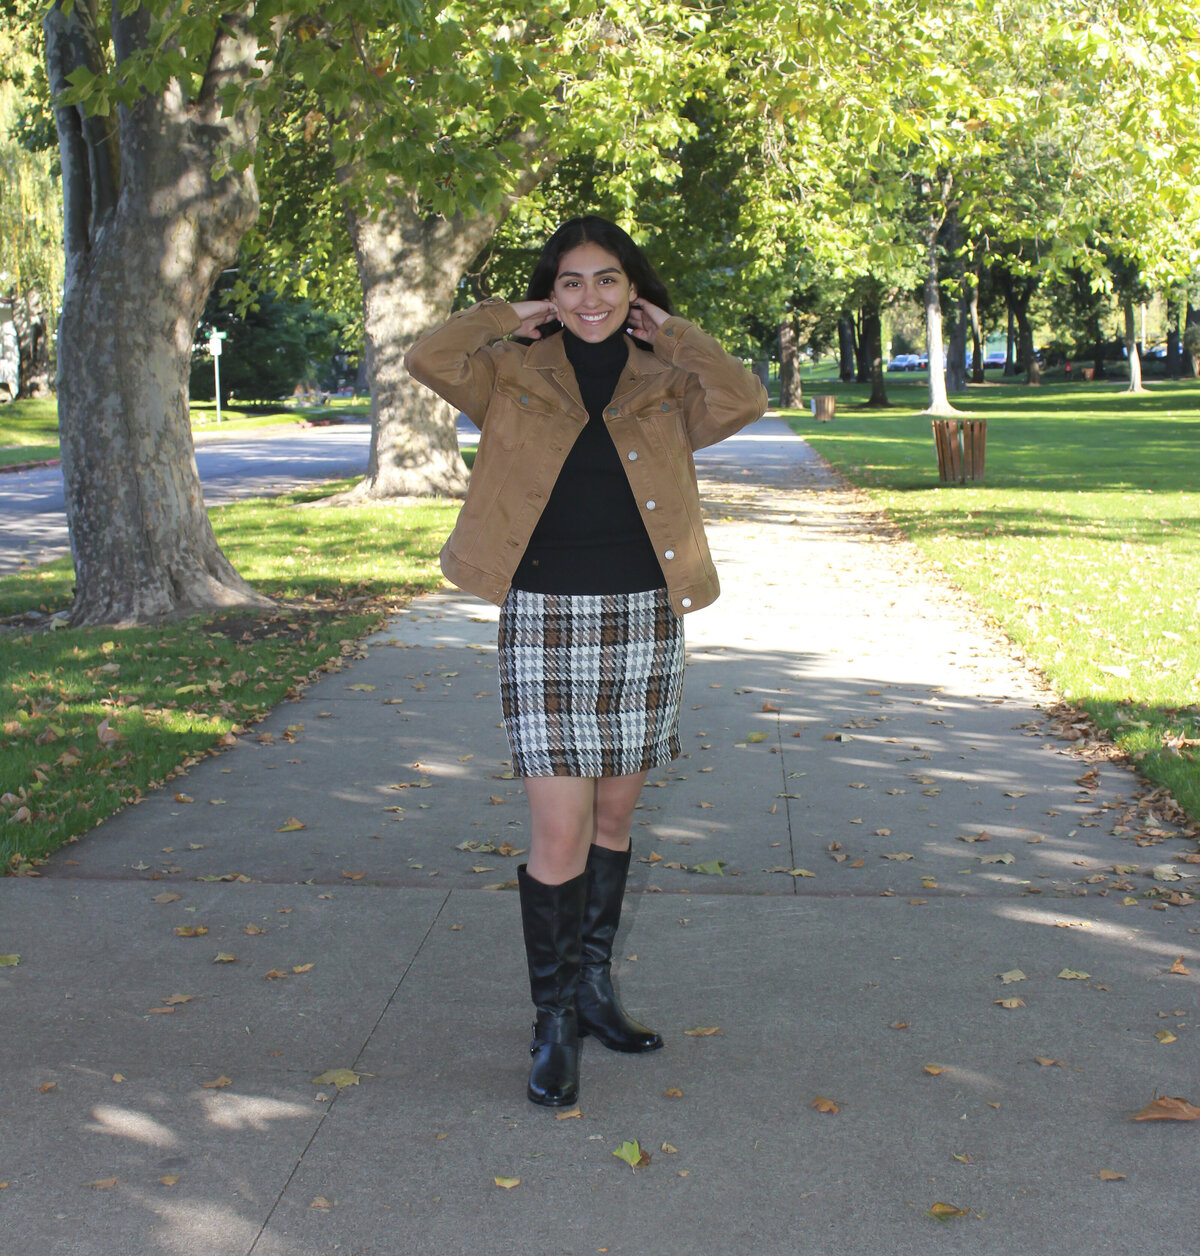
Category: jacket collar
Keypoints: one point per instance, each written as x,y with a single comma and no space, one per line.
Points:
550,355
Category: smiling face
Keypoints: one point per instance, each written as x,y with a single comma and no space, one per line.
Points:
592,293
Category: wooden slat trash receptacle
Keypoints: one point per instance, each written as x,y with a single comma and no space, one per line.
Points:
823,407
961,449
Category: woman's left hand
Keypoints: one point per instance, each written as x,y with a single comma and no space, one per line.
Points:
645,319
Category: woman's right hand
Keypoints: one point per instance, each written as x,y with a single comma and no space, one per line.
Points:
532,315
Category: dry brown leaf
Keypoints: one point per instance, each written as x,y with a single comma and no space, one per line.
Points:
223,957
1178,969
703,1032
769,707
1165,1036
254,931
291,825
1047,1061
320,1202
104,1184
506,1182
275,974
575,1113
1107,1175
934,1070
166,897
171,1179
298,969
944,1212
219,1084
1167,1109
47,1087
1009,1003
673,1092
191,931
825,1105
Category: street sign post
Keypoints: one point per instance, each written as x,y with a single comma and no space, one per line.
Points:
214,347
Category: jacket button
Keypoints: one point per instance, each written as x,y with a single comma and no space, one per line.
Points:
669,554
668,331
613,412
633,455
666,405
687,601
650,505
524,400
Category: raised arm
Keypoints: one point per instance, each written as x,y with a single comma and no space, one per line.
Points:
456,360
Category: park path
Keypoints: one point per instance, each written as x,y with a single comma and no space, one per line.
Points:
873,819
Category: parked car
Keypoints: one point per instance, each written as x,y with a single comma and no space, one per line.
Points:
903,362
993,359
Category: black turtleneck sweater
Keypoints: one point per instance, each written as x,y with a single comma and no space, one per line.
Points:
590,538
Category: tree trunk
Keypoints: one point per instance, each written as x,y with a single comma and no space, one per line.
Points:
147,231
1026,357
1174,318
1191,318
871,350
939,402
33,337
863,374
791,393
1131,347
1010,344
410,265
972,297
1017,296
846,347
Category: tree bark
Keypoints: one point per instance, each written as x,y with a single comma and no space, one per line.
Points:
972,298
147,231
939,402
956,376
871,350
410,265
1017,296
846,348
1131,347
1174,318
791,393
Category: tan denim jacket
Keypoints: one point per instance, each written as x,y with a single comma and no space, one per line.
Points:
524,399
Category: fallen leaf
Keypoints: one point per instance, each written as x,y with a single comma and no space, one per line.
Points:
184,798
667,1149
900,855
361,688
166,897
219,1084
104,1184
276,974
47,1087
9,961
177,1000
945,1212
1178,968
171,1179
291,825
633,1155
934,1070
1047,1061
223,957
769,707
995,859
298,969
825,1105
1167,1109
106,735
576,1113
756,737
673,1092
704,1032
339,1077
1009,1003
1069,974
1013,974
254,931
713,868
320,1202
191,931
1166,1036
507,1183
1107,1175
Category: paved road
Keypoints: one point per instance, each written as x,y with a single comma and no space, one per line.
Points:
33,527
901,828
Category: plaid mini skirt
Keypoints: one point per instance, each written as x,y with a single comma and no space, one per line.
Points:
591,684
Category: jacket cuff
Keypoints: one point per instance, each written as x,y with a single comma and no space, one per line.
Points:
666,342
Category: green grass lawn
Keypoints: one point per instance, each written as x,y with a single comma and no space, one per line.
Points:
29,429
92,718
1083,541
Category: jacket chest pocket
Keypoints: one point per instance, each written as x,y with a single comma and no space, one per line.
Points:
516,415
664,418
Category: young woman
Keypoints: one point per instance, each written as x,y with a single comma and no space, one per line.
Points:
582,522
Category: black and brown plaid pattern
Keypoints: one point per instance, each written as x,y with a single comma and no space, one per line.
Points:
591,684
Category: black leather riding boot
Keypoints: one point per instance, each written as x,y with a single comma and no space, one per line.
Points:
600,1011
551,917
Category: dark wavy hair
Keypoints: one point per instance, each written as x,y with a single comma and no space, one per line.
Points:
592,229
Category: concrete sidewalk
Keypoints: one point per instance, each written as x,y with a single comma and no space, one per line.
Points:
898,825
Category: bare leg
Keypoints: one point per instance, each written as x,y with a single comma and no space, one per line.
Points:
562,826
616,798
